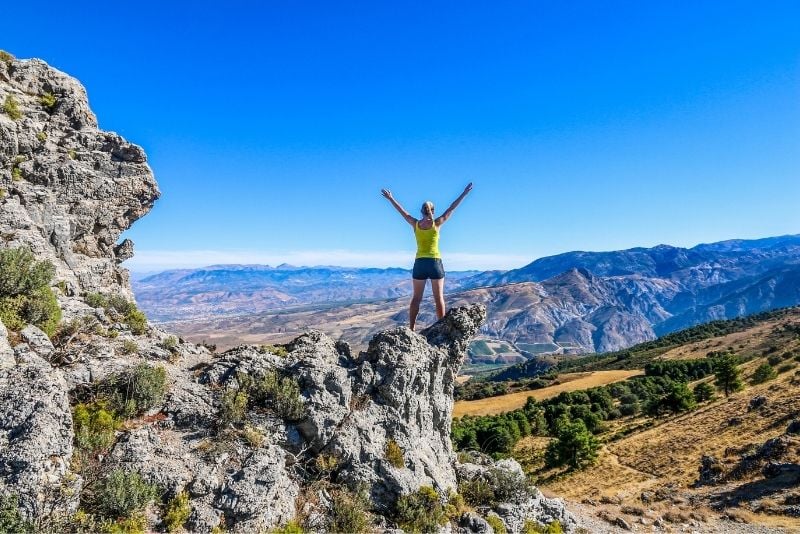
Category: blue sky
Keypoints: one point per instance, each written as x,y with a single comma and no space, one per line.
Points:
272,126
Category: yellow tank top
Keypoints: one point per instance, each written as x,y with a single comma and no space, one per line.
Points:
427,241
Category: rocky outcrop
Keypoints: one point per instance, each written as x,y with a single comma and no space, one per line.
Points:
69,189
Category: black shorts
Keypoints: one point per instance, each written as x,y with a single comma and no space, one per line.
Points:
425,268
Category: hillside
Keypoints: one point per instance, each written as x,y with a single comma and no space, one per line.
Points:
727,459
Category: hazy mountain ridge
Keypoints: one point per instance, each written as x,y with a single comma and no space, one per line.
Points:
246,289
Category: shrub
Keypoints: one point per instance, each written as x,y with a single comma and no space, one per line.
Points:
348,512
136,321
11,108
122,494
136,524
477,492
456,505
291,527
48,101
16,174
498,527
280,393
177,512
763,373
420,511
5,57
232,408
574,445
169,343
94,426
11,519
394,454
41,136
25,293
532,527
784,368
129,346
277,350
136,390
252,436
703,392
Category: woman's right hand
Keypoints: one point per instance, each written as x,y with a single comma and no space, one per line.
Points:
386,193
468,188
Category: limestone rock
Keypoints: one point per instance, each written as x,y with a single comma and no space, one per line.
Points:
35,434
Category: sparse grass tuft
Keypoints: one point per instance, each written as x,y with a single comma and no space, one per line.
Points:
6,57
177,512
394,454
421,511
11,108
48,101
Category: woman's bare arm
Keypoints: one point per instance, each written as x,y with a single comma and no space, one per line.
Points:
388,195
449,211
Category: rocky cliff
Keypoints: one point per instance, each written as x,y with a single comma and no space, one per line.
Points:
114,424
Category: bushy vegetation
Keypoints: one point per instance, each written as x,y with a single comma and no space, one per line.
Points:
122,494
532,527
394,454
421,511
277,350
764,373
349,512
494,486
11,108
496,523
574,445
25,293
136,390
117,305
704,392
6,57
281,394
94,426
11,519
48,101
177,512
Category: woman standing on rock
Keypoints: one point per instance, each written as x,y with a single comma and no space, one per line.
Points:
428,262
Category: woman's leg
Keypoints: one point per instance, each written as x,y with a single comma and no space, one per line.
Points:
413,309
438,296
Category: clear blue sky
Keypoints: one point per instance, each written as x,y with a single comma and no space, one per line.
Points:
272,126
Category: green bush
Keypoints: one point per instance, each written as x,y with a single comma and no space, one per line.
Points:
726,371
477,492
123,494
763,373
233,407
48,101
41,136
129,346
136,321
703,392
291,527
11,519
532,527
94,426
394,454
136,390
25,293
5,57
169,343
281,394
16,174
421,511
11,108
277,350
177,512
348,512
498,527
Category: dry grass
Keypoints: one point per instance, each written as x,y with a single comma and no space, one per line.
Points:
568,382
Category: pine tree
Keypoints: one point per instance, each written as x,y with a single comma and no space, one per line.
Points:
574,445
727,373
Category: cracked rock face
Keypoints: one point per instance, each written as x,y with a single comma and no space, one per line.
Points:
69,189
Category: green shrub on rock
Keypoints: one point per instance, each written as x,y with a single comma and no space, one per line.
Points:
6,57
11,519
25,293
282,394
123,494
48,101
498,527
764,373
349,512
94,426
421,511
394,454
137,390
177,512
11,108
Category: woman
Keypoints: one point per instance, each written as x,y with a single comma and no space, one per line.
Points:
428,262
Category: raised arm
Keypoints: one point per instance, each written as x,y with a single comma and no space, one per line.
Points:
449,211
388,195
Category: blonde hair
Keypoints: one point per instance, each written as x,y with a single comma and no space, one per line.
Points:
427,208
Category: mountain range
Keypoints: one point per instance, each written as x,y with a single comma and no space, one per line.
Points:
576,302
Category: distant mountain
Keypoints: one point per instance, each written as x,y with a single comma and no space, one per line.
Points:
221,290
595,301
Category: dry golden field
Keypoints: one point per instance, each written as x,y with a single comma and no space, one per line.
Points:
568,382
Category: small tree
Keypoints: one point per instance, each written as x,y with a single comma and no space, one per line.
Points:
574,445
679,398
764,373
726,371
703,392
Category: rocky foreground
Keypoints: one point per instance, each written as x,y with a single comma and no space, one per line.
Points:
109,423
